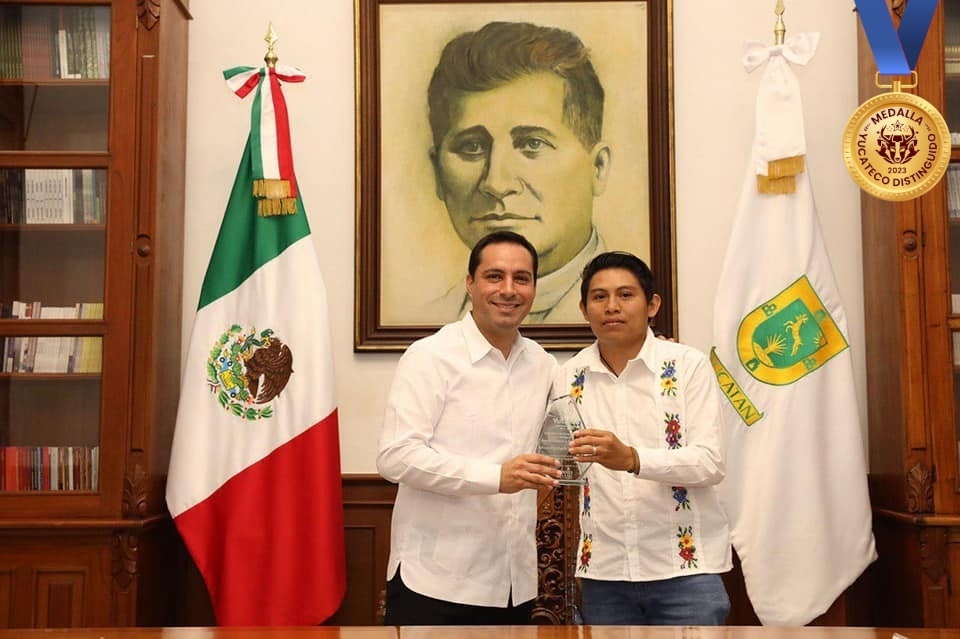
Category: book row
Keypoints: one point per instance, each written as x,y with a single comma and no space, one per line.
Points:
49,468
48,42
37,310
52,196
953,191
34,354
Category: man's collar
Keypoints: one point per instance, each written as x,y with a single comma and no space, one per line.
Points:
477,344
648,354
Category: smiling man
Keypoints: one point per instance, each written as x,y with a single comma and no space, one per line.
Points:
516,113
654,537
464,410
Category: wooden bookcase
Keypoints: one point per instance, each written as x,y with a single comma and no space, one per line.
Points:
92,139
911,274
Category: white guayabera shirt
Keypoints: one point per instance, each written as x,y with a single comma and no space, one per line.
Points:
456,411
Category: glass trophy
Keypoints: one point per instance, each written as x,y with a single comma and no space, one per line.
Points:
561,421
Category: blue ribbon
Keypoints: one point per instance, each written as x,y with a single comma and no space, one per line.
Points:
896,50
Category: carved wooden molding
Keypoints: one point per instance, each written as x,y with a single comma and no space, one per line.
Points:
148,12
919,489
933,553
135,493
381,606
558,530
125,545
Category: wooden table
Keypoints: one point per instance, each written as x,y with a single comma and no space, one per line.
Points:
485,632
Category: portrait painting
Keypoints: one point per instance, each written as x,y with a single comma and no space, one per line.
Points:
550,119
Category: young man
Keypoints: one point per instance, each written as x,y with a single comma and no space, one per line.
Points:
463,413
516,112
654,537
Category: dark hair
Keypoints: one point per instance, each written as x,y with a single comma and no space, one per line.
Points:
501,237
501,52
618,259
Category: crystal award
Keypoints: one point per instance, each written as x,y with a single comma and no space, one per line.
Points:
561,421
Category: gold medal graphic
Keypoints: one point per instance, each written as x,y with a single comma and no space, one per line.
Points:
896,146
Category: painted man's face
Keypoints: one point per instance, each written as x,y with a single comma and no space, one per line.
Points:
509,162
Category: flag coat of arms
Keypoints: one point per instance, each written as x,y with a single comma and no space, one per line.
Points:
254,485
795,490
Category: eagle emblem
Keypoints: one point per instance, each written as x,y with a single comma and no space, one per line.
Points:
246,370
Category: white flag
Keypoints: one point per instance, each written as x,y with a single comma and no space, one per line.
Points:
796,487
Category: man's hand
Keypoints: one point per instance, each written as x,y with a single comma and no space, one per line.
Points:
603,447
529,471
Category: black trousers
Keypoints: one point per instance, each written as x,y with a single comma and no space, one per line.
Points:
408,608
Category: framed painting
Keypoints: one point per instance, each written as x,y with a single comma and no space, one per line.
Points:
551,119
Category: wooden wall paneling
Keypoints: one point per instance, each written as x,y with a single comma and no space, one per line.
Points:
59,595
156,573
895,601
953,568
367,510
7,604
935,582
368,506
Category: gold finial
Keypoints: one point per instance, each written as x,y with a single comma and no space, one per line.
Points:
271,39
780,30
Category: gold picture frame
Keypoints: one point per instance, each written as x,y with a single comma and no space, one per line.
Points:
410,262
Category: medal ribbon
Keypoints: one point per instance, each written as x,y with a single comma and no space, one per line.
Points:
896,50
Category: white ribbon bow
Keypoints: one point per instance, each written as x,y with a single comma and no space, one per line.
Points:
779,119
798,49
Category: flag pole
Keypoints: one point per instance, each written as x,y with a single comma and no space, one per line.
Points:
780,29
271,38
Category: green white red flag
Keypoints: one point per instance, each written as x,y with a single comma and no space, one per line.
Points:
254,485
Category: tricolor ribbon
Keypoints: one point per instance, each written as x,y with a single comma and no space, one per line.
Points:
275,184
896,50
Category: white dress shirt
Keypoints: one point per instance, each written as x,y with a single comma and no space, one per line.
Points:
666,521
456,411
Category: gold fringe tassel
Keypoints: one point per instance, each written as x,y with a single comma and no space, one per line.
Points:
785,166
776,186
280,206
270,188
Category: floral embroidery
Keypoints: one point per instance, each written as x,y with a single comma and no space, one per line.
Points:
585,553
586,497
673,430
576,387
688,551
668,378
680,495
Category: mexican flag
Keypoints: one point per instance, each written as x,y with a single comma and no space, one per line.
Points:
254,484
795,491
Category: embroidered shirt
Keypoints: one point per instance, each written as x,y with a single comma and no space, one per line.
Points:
666,521
456,411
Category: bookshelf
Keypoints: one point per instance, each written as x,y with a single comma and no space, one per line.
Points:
911,270
92,138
